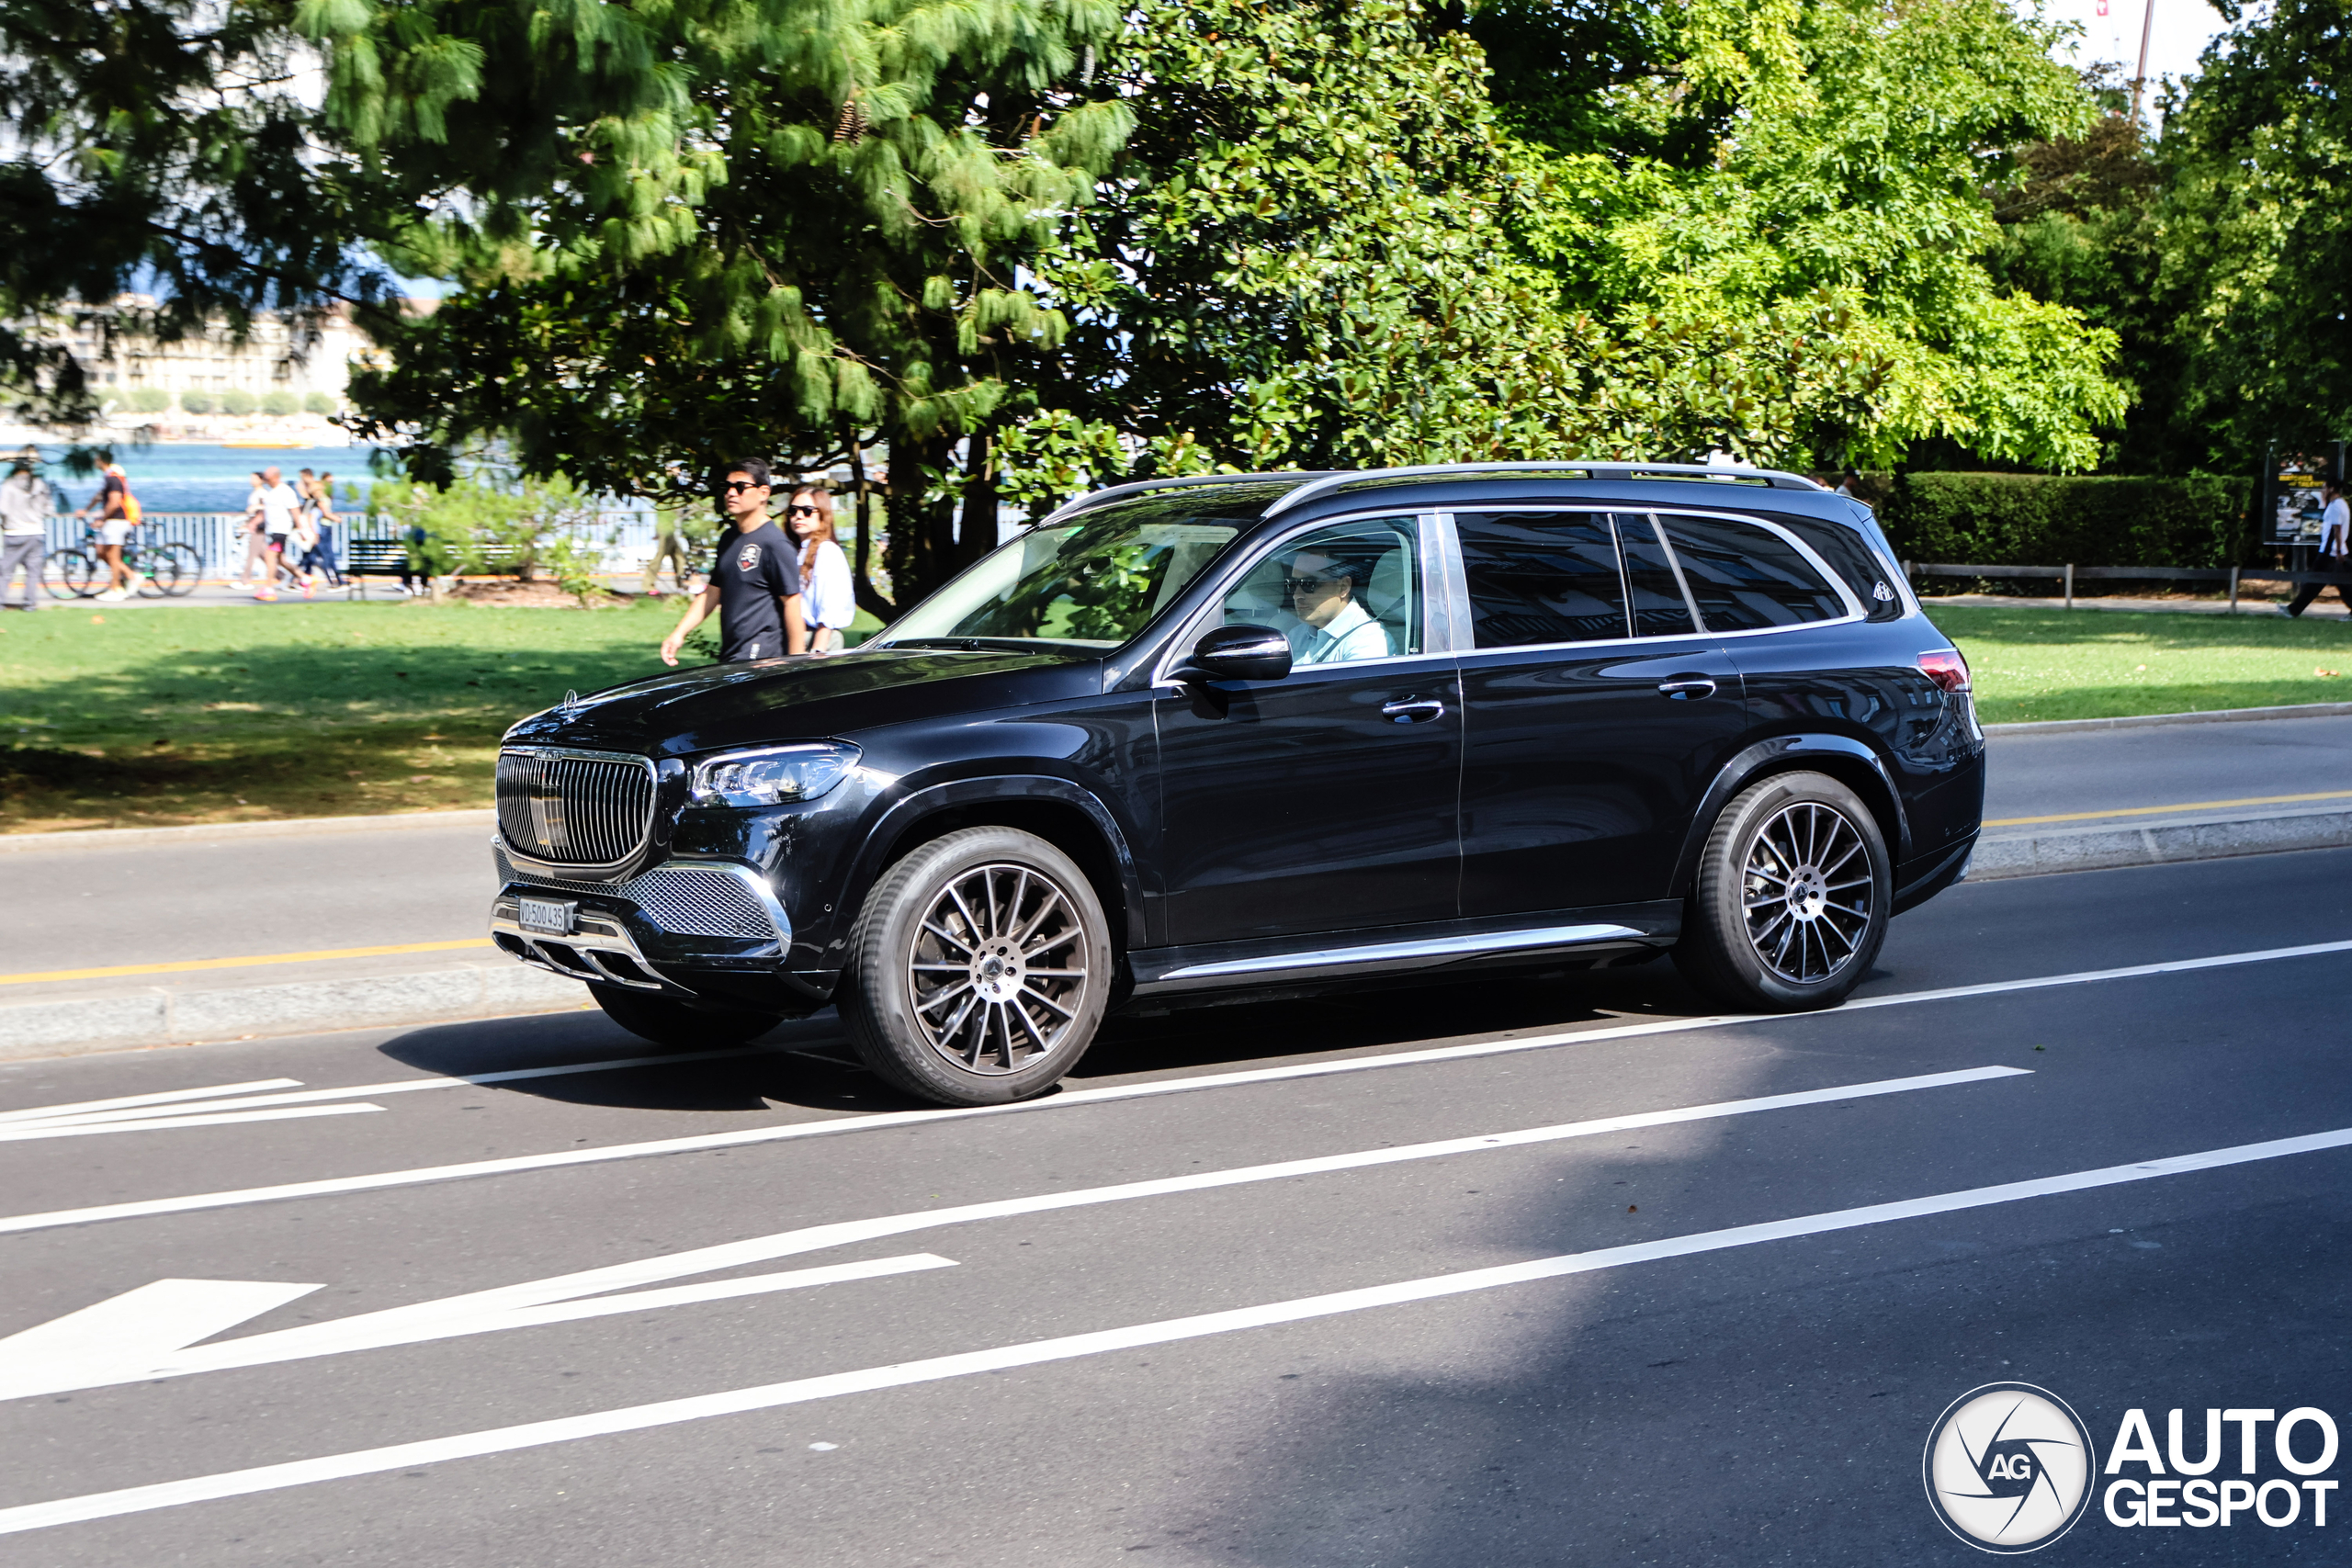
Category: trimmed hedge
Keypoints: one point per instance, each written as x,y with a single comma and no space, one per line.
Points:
2040,520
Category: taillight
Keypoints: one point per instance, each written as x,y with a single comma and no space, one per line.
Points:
1946,668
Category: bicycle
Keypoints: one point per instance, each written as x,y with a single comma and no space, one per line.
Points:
168,568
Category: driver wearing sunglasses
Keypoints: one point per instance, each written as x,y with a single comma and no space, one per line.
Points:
1334,628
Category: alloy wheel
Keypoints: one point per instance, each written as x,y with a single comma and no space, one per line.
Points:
999,969
1806,891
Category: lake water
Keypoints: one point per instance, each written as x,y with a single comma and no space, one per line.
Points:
193,477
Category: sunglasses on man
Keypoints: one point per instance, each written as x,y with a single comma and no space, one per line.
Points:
735,487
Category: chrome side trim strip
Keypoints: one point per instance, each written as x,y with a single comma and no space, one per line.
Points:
1437,950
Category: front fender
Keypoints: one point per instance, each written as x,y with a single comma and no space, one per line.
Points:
1784,753
904,815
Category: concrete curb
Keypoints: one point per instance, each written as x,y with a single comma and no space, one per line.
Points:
2150,720
483,818
131,1017
2157,843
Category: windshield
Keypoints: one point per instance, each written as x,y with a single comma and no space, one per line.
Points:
1094,581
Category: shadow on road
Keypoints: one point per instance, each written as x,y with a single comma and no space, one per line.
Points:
807,1062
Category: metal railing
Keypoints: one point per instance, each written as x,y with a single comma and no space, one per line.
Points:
2069,573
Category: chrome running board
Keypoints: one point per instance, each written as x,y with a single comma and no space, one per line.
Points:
1406,955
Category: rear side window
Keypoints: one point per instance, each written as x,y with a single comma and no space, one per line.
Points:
1746,578
1849,555
1539,577
1659,609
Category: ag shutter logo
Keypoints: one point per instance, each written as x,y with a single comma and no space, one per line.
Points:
2008,1468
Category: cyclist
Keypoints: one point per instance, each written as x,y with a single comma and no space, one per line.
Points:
117,515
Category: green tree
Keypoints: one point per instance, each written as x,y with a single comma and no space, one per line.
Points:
146,400
196,400
170,146
319,403
705,230
279,403
237,402
2255,231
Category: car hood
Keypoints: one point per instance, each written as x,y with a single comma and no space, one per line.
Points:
805,698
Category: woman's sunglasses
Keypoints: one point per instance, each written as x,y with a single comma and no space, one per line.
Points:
800,511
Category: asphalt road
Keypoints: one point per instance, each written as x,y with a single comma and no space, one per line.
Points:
1009,1355
77,905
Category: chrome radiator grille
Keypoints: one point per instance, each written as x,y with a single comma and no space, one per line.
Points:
575,808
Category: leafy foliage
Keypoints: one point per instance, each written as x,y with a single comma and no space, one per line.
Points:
505,525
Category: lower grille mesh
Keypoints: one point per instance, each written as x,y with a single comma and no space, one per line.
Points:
691,900
700,902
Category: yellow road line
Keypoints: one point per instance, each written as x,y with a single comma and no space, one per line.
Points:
192,963
2160,810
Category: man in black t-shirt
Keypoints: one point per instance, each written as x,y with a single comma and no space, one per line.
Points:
756,581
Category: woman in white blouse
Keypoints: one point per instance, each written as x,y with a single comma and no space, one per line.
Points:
826,591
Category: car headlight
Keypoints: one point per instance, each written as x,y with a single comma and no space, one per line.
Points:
772,774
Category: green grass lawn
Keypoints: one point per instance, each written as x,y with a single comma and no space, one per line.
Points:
115,717
149,717
2051,663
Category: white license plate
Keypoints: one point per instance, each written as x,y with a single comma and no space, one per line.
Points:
553,916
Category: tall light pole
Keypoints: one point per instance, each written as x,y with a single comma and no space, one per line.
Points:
2147,25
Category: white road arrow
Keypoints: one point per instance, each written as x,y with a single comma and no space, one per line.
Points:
152,1331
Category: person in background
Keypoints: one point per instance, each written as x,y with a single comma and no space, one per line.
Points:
2335,550
325,523
117,514
1846,482
754,583
830,597
25,503
256,540
670,545
279,508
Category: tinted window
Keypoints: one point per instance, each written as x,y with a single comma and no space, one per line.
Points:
1659,609
1745,577
1541,577
1346,592
1849,555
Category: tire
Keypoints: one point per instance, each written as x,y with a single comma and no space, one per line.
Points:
944,999
70,574
674,1026
1751,941
179,568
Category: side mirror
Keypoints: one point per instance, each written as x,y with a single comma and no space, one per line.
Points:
1236,653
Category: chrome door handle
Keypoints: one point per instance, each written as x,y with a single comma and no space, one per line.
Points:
1412,710
1687,688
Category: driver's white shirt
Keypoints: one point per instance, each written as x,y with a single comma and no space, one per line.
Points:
1351,635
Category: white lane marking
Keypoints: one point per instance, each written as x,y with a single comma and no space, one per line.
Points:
477,1310
26,1131
141,1106
833,1385
832,1126
86,1107
151,1332
151,1322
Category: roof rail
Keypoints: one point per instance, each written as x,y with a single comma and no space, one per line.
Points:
1094,499
1604,470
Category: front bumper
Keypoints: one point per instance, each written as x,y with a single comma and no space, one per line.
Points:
678,926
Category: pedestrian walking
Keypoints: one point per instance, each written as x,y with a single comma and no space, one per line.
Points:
324,523
669,545
754,583
279,507
830,597
2334,549
23,513
118,512
257,538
